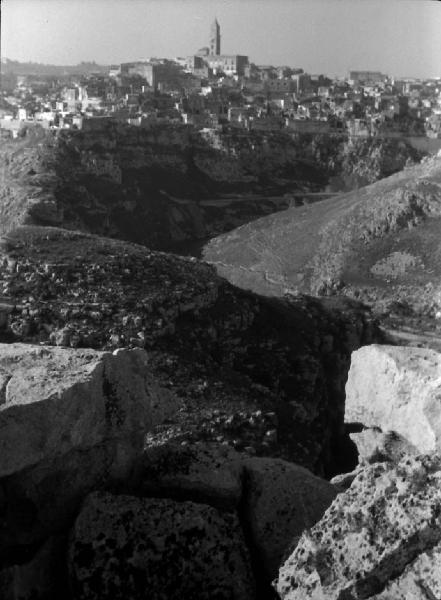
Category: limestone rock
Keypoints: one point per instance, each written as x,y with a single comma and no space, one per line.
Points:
399,389
209,473
70,421
421,580
374,445
69,399
127,547
389,518
281,501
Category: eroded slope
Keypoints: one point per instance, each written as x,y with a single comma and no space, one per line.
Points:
377,243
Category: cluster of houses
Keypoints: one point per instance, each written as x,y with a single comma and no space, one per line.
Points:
214,91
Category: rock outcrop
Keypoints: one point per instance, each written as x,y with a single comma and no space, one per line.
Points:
374,445
69,400
70,421
82,427
421,580
379,539
159,185
397,389
168,186
202,472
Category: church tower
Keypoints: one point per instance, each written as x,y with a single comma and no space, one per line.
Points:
215,47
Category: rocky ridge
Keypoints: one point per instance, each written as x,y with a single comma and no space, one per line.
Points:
378,244
257,373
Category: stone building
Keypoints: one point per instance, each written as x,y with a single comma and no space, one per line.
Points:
215,39
211,58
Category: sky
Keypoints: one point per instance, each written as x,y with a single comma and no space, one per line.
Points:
396,37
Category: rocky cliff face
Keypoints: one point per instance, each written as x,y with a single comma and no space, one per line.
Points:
157,186
165,185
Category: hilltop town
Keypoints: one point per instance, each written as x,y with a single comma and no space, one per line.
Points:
210,92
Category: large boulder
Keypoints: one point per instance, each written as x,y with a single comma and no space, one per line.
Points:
68,400
397,389
277,499
70,421
128,547
281,500
385,526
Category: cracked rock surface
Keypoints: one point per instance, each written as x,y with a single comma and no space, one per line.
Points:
375,538
421,580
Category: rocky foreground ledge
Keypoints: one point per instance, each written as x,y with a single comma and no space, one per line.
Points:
379,540
89,509
93,505
381,537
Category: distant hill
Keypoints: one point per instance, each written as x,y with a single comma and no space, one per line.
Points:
32,68
380,243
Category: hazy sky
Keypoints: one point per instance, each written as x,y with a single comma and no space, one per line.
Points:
397,37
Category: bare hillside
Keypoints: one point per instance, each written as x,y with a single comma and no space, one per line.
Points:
379,244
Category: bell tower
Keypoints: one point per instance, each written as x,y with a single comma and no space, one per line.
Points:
215,38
